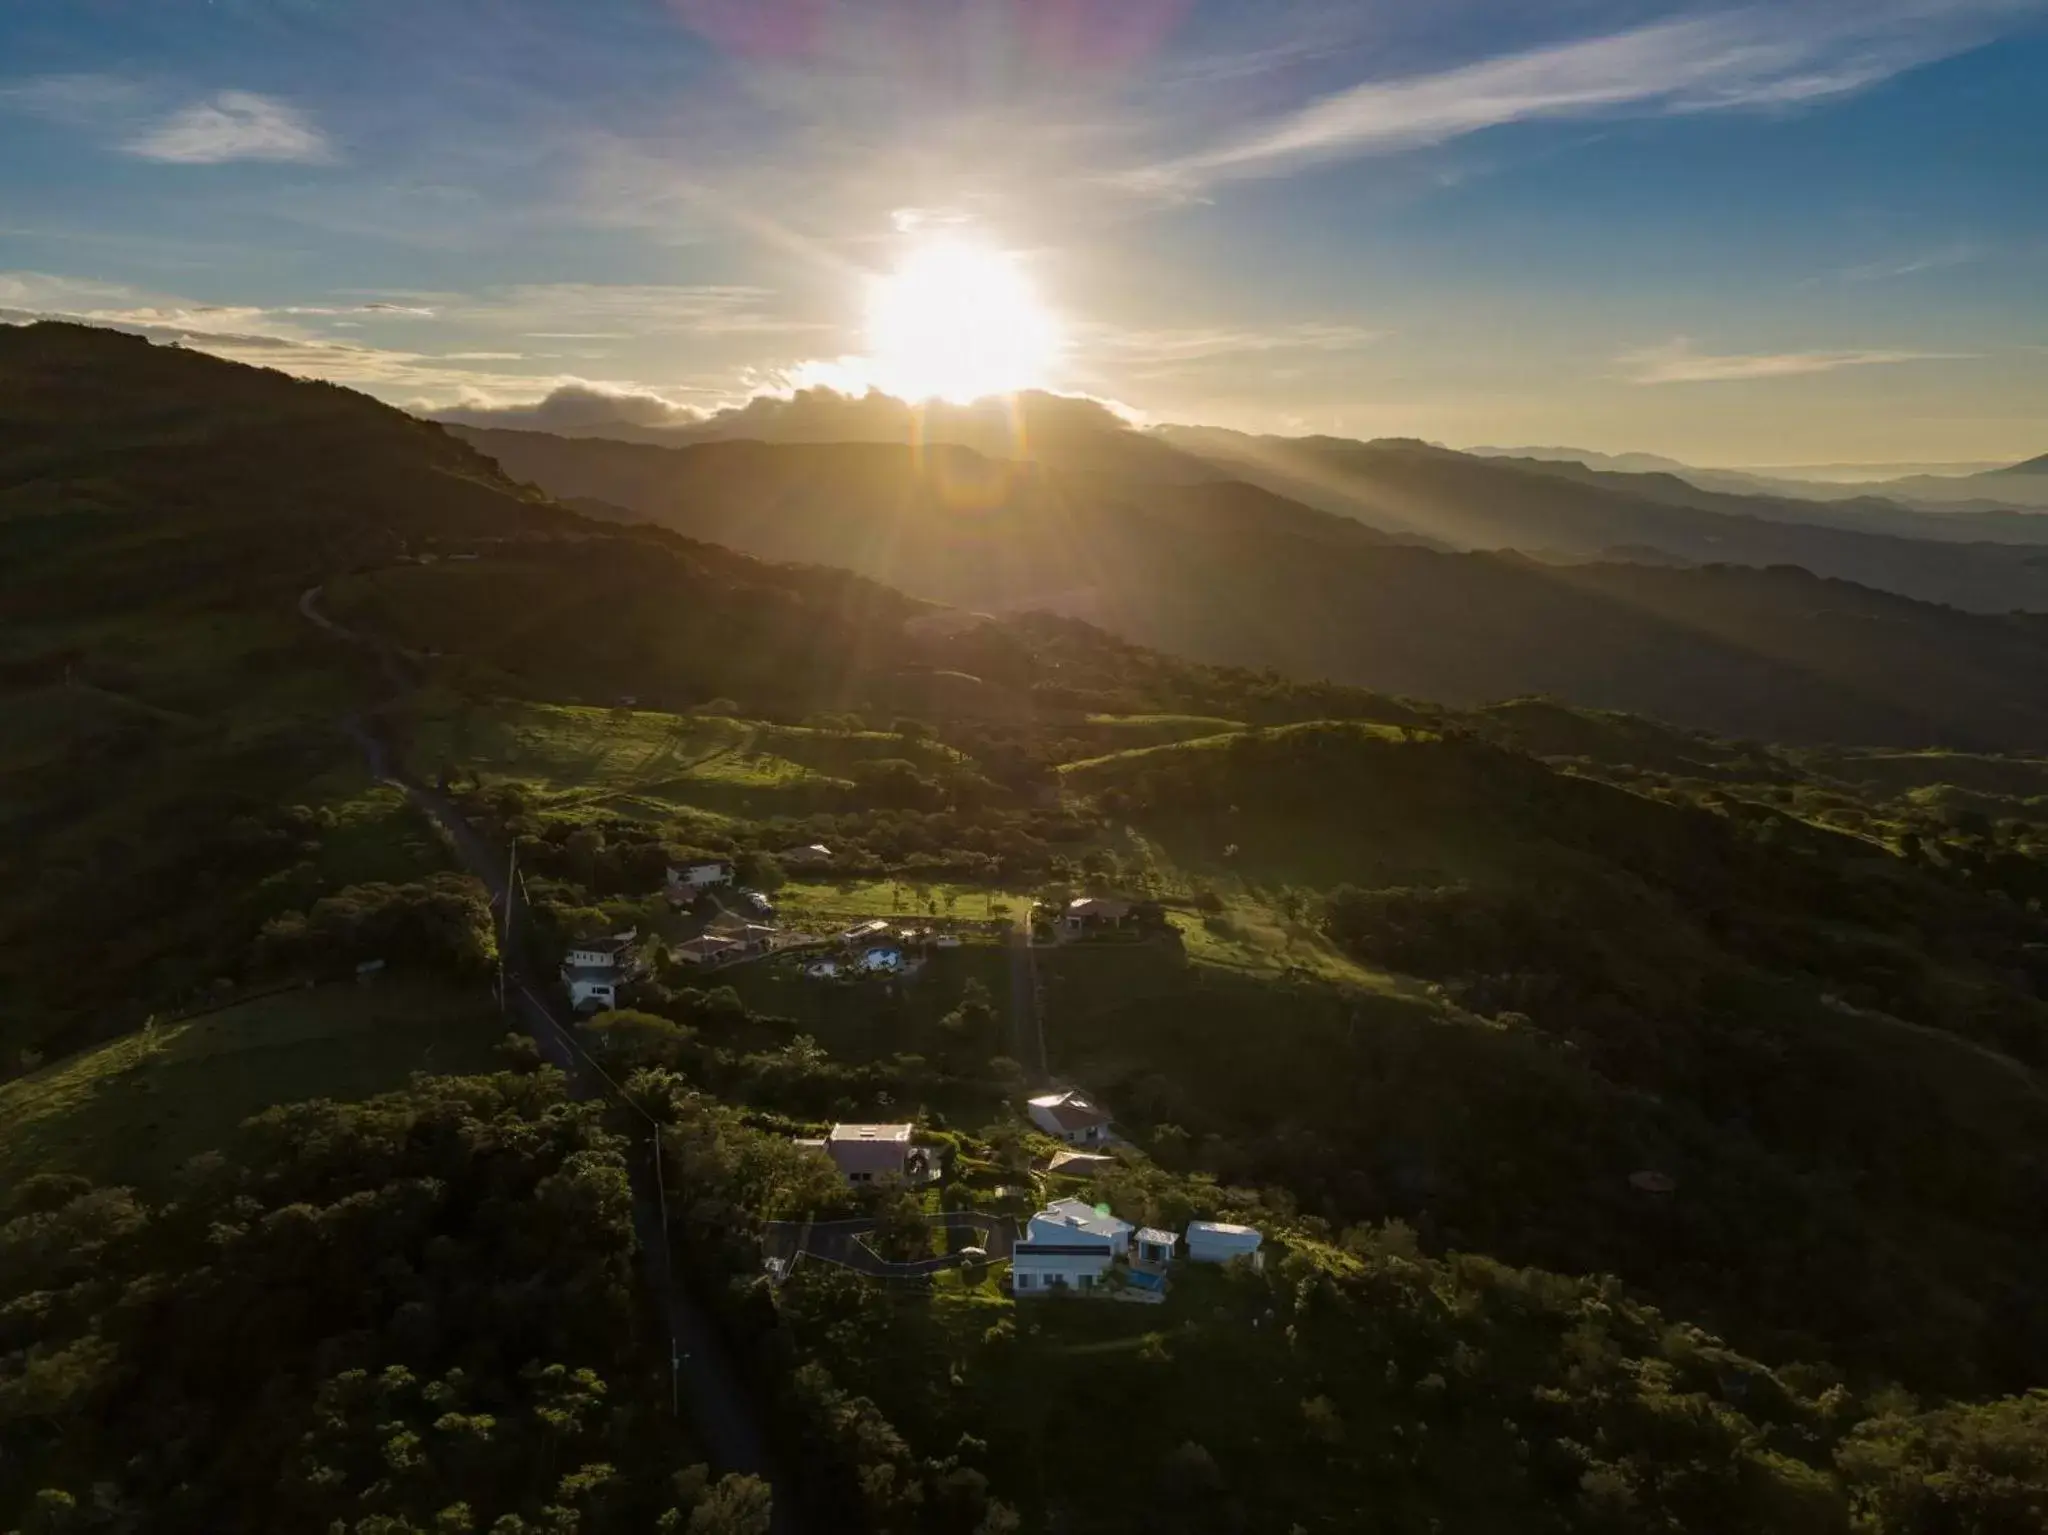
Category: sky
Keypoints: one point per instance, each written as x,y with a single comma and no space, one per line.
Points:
1801,232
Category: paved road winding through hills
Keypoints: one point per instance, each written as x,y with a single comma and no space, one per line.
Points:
708,1379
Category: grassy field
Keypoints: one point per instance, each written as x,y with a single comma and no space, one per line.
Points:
627,761
815,905
1125,731
132,1110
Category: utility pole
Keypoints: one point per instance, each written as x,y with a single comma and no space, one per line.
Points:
668,1279
505,940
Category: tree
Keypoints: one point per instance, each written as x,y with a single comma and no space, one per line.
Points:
736,1505
901,1232
759,871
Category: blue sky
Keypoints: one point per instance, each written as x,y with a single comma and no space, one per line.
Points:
1800,232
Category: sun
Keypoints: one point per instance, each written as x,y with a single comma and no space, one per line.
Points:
957,321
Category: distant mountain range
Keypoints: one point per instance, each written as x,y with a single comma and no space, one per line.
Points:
1969,486
1225,570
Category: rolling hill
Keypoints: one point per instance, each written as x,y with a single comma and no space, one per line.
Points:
174,769
1229,573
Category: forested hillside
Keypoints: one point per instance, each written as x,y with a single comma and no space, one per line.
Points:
1229,573
1645,1126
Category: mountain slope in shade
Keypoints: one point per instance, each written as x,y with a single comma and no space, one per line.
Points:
1227,573
1567,509
2032,466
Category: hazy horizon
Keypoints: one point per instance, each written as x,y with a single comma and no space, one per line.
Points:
1804,234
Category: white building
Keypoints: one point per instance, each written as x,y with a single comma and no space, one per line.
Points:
1095,914
1072,1116
1074,1220
865,1153
1068,1245
1151,1245
686,880
1039,1268
595,968
813,855
1219,1242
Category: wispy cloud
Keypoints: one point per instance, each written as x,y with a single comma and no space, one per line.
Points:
1763,56
1172,347
595,311
1962,253
1679,362
233,125
78,99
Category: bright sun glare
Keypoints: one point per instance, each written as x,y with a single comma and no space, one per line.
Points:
956,321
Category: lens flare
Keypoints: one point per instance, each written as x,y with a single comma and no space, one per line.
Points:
958,321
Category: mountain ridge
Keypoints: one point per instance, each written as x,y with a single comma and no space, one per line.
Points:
1215,574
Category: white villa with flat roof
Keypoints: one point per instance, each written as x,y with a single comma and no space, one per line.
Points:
865,1153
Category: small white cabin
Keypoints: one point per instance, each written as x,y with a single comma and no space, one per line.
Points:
1151,1245
1219,1242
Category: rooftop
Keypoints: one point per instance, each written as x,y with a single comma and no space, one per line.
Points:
1105,907
705,948
1078,1162
1073,1110
617,944
898,1133
1078,1215
727,925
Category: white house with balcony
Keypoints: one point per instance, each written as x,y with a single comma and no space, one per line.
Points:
595,969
